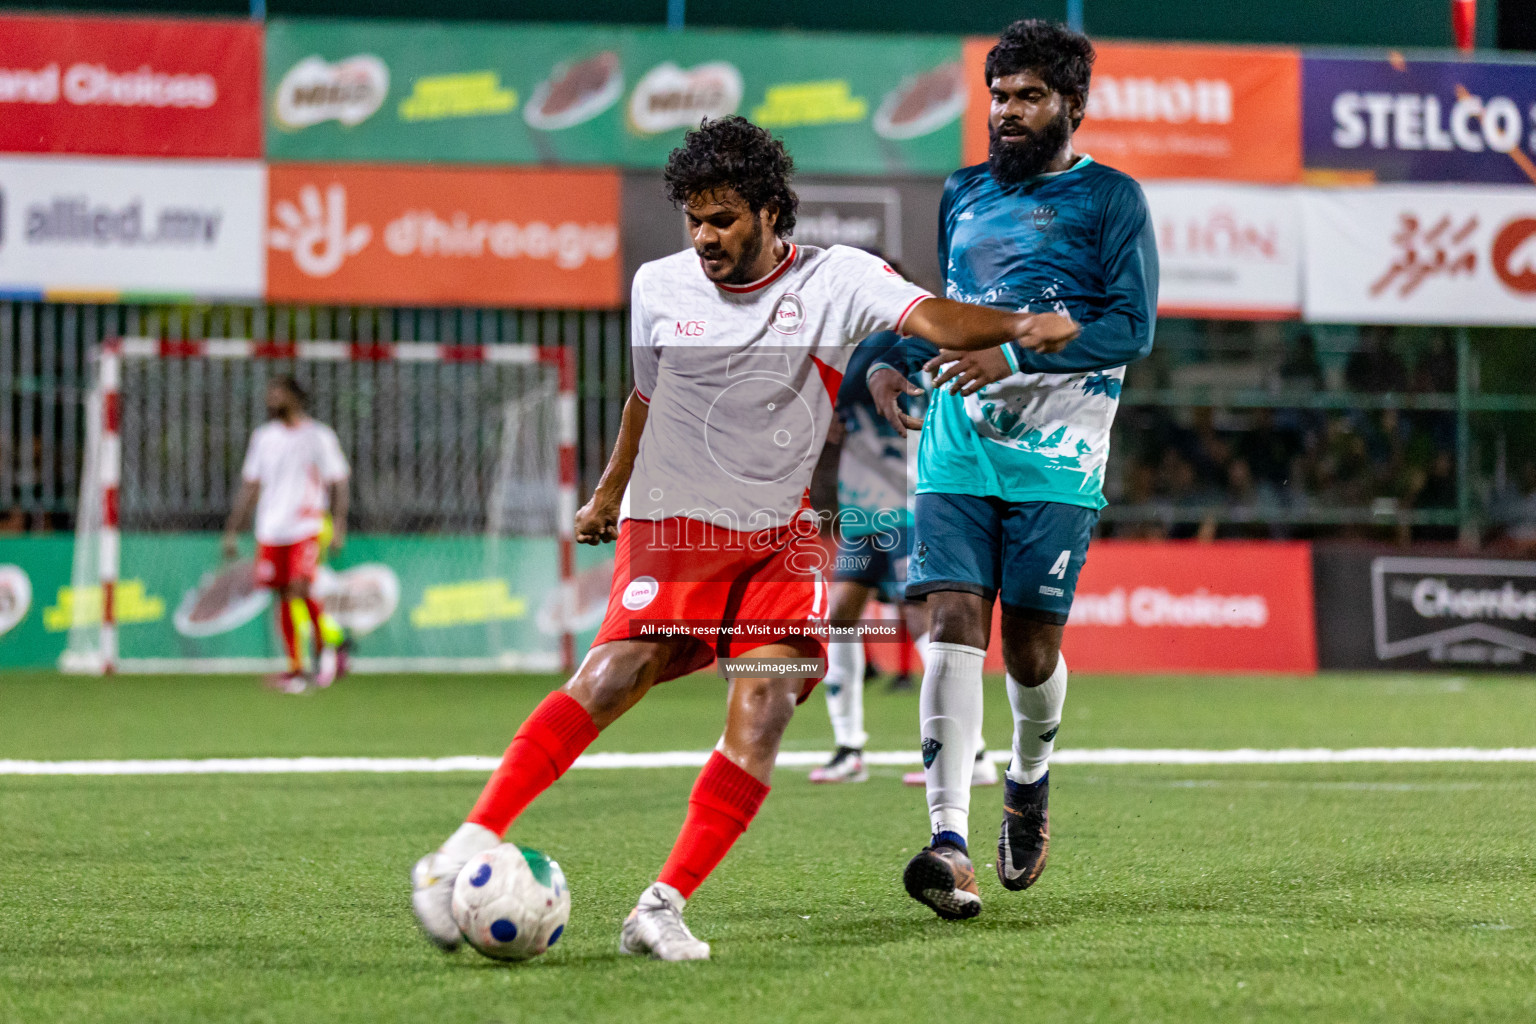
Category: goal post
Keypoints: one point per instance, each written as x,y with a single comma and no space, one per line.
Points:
461,532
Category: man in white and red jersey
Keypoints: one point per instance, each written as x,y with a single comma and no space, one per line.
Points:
294,473
738,345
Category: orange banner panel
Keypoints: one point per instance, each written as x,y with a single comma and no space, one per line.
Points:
434,237
1159,111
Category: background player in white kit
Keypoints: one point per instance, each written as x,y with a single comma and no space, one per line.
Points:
294,472
738,347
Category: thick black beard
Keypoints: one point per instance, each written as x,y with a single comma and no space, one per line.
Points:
1013,162
750,251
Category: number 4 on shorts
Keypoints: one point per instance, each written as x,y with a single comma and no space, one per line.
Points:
1059,570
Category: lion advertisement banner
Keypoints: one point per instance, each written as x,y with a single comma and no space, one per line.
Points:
409,602
94,229
435,236
1228,606
1166,111
1389,118
403,92
130,86
1227,251
1421,255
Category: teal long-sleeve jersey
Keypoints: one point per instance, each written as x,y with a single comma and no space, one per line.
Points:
1079,242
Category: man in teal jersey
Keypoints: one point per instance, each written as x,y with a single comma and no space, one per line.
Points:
1011,462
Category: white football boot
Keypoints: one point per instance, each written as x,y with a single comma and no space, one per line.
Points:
847,765
432,882
327,667
655,927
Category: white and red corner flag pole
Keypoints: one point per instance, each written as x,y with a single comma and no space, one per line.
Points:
1464,23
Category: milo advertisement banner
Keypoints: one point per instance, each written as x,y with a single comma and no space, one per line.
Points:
404,92
442,603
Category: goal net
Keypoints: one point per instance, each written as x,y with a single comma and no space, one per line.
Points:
459,540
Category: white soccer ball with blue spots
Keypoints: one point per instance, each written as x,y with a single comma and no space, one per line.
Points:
511,903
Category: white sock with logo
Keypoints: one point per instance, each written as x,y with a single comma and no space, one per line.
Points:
844,684
949,710
1036,717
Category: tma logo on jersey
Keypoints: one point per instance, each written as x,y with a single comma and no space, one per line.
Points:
788,315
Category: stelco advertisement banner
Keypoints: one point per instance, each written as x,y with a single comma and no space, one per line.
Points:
1431,255
402,92
1392,119
432,236
1227,250
130,87
1177,111
94,228
1229,606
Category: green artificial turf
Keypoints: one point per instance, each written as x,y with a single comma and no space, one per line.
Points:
1376,892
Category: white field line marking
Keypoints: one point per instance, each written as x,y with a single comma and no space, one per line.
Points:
787,759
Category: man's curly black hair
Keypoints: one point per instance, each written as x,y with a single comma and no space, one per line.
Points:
732,152
1061,57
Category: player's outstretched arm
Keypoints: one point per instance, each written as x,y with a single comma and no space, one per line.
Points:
965,328
245,504
597,521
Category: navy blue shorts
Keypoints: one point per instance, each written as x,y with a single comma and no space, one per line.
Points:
877,560
1026,552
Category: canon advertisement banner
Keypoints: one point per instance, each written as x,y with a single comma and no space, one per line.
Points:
1229,606
1390,611
131,229
430,236
1231,251
1161,111
1392,119
130,87
1421,254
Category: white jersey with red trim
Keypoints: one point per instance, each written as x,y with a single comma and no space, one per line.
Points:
293,465
741,379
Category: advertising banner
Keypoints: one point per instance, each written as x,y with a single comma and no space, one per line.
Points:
1164,111
130,86
1231,251
1228,606
897,217
1393,119
1388,611
430,236
1421,254
104,229
32,569
398,92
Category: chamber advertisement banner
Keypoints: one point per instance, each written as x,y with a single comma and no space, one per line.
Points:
432,236
1231,251
86,228
1394,611
1393,119
392,92
130,86
1421,254
1162,111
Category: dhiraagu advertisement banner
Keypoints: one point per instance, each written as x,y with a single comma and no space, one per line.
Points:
448,603
404,92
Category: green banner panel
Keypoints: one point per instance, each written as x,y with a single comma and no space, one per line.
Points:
415,92
463,602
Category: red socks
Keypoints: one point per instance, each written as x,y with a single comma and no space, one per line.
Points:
725,800
290,637
548,742
318,636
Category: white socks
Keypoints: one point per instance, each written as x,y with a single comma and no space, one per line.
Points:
1036,717
844,685
949,718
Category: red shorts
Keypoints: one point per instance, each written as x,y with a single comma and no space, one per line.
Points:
278,565
683,573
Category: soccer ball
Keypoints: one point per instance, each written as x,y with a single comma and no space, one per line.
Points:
511,903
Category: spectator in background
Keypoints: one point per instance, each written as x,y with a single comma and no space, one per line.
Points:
1375,366
1435,369
1301,370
